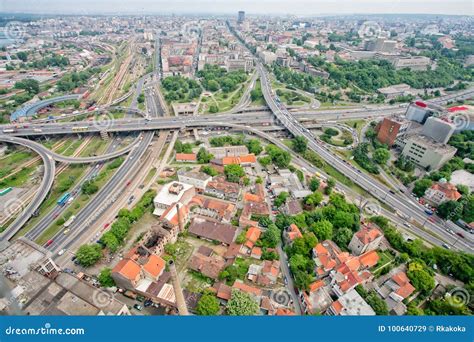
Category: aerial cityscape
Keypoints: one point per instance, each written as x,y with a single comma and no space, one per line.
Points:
236,164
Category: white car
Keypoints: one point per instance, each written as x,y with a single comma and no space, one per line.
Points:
61,252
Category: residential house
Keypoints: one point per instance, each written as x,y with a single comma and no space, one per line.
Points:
223,189
197,179
186,157
368,238
291,233
172,193
212,230
441,192
350,304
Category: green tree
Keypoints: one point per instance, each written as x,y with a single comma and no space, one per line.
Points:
208,305
421,279
381,156
271,236
89,187
242,304
451,210
204,157
342,237
421,186
29,85
234,172
300,144
265,161
311,201
212,85
105,278
281,199
209,170
213,108
322,229
110,240
88,255
314,184
254,146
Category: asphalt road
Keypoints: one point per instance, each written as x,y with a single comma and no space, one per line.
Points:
399,202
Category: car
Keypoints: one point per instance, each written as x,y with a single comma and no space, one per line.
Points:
66,231
446,246
138,307
147,303
460,234
49,242
61,252
106,225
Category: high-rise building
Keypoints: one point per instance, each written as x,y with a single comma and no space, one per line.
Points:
437,129
391,128
241,17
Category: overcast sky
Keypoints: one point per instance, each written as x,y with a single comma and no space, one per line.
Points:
307,7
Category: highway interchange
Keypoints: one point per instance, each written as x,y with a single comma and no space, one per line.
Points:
242,119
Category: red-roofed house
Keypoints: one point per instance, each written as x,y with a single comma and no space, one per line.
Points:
291,233
442,191
126,273
154,267
368,238
186,157
401,286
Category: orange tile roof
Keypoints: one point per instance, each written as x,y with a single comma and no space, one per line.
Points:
448,189
367,234
249,158
246,288
257,251
253,234
337,307
223,291
248,197
294,232
127,268
316,285
284,312
186,156
155,265
406,288
369,259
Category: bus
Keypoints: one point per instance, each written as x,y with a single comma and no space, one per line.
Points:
80,129
69,221
63,199
5,191
9,130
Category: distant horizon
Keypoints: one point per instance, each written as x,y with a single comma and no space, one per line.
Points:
251,7
230,14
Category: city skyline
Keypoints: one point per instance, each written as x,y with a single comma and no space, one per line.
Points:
298,7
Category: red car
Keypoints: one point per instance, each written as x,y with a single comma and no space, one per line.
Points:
49,242
128,183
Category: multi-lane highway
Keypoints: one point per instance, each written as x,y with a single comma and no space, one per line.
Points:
399,202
